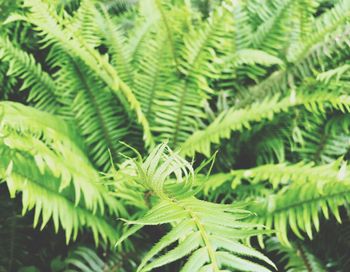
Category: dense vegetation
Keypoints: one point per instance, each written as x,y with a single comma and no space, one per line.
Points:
174,135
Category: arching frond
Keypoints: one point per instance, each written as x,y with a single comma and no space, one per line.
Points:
237,120
307,191
98,113
50,28
298,205
38,153
23,65
183,102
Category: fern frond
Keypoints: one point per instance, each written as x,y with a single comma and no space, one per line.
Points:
299,258
50,27
319,143
39,147
325,32
151,79
185,98
272,35
117,47
239,119
298,205
206,232
160,6
329,38
15,234
46,199
86,259
23,65
304,12
83,22
334,74
98,114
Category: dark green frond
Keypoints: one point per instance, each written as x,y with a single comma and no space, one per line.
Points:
23,65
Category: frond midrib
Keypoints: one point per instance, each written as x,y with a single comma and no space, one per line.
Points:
304,258
186,82
93,101
168,32
303,203
203,233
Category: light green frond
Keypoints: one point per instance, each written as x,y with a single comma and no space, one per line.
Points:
240,119
117,45
183,102
83,23
298,206
208,233
36,145
152,77
279,174
22,175
273,34
334,74
254,56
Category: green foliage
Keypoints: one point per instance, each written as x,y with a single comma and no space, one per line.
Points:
259,87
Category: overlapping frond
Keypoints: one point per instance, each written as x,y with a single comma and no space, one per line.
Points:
308,190
323,141
239,119
298,258
23,65
299,205
98,113
51,28
86,259
38,154
328,35
184,100
304,56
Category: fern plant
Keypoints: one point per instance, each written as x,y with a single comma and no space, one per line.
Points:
238,111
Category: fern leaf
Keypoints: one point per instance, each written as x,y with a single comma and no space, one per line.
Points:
237,120
186,97
201,234
98,114
23,65
51,29
32,151
299,257
309,190
117,47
